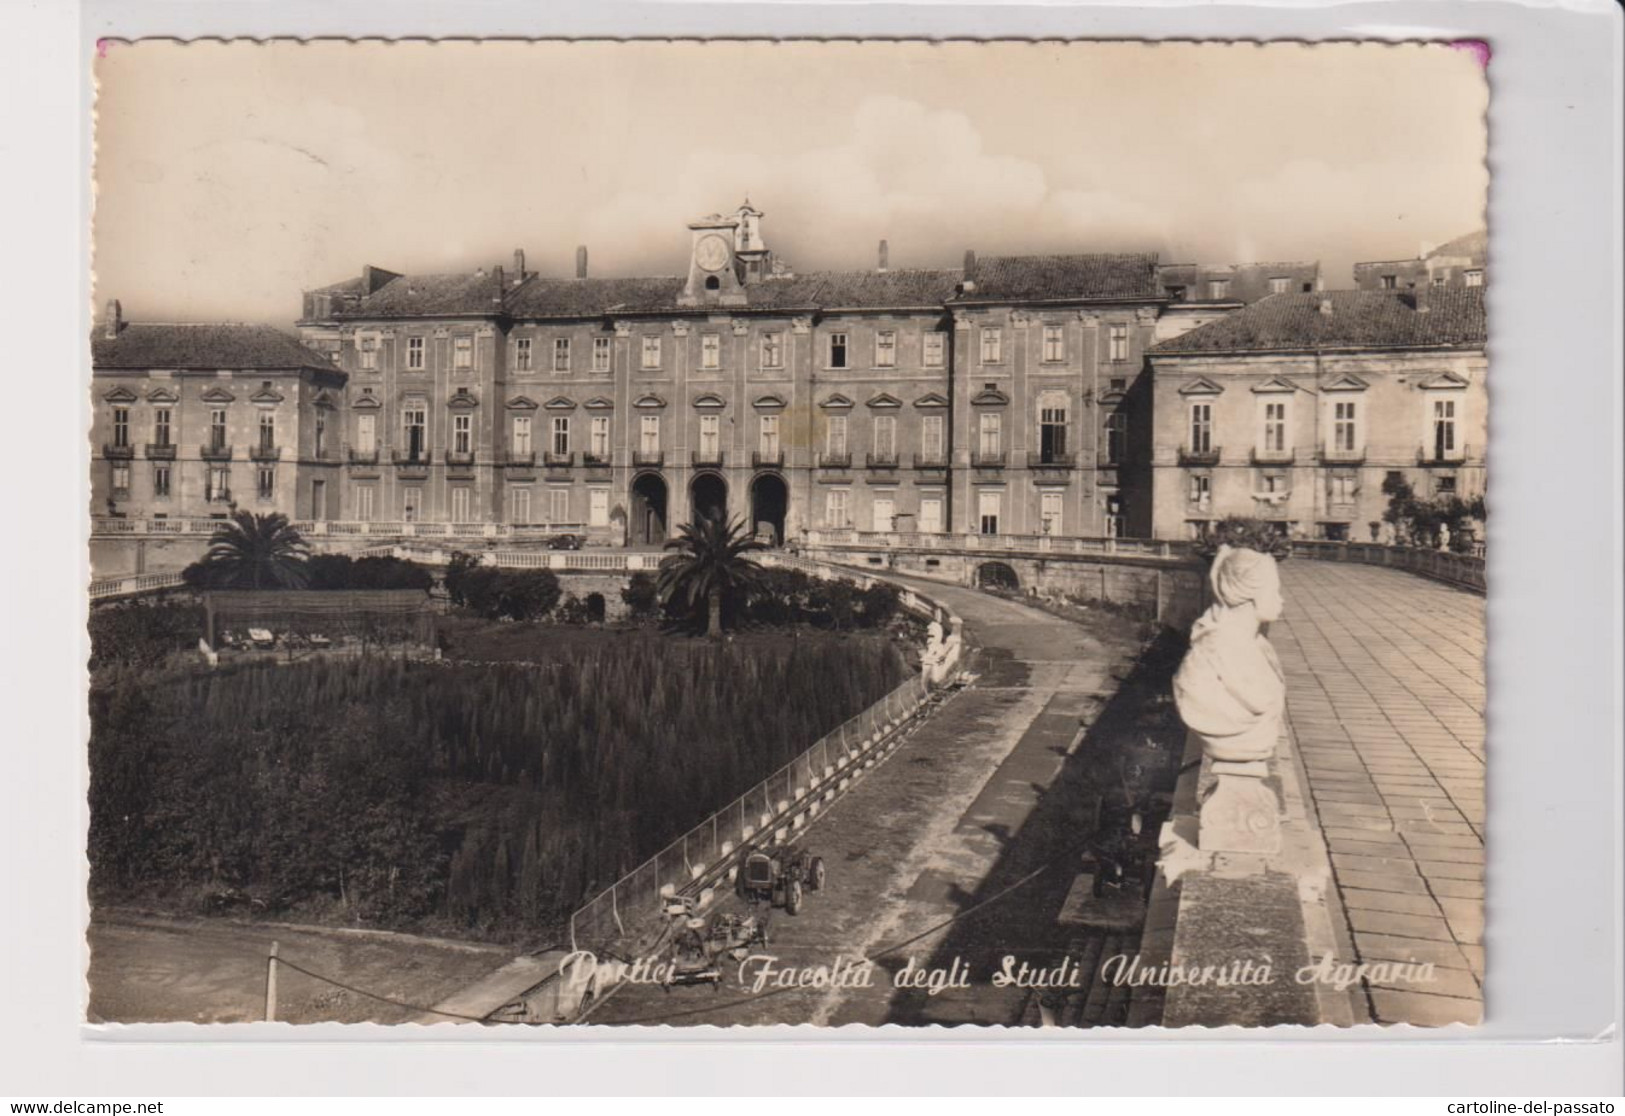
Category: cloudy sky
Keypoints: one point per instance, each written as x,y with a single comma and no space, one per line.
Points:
232,176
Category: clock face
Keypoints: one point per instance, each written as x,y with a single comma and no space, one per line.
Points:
711,253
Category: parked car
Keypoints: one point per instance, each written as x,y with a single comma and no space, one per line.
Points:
566,542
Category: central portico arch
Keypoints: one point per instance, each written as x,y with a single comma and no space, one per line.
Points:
647,525
769,501
708,496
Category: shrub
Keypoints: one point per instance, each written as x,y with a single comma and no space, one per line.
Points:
526,594
142,633
571,610
642,596
330,571
389,572
1244,531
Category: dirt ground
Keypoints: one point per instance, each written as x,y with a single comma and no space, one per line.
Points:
150,969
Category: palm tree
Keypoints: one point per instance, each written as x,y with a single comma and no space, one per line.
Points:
709,564
252,551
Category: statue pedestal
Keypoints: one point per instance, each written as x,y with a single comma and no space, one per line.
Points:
1239,813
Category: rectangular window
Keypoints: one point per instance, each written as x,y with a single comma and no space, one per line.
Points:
992,344
522,354
368,348
521,434
1390,282
600,437
218,486
1344,433
1272,484
710,437
883,512
558,505
267,430
885,435
1280,285
1218,288
1049,512
1201,428
710,351
561,433
1116,438
931,440
837,350
1473,277
1344,488
366,433
1274,427
121,478
772,350
161,432
519,506
835,435
886,348
1444,428
987,510
217,429
769,436
1201,494
651,351
365,495
836,513
462,352
989,430
319,433
267,482
1054,344
414,423
561,354
598,507
462,433
1118,342
931,350
160,480
600,354
411,504
1052,423
1114,517
414,353
931,514
649,434
461,504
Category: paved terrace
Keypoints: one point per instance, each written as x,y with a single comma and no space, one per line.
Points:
1385,683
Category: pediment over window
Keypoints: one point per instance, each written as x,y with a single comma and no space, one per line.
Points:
324,400
599,403
120,395
1276,384
931,399
218,395
267,394
1113,395
837,402
884,401
1345,381
163,395
649,402
989,397
560,403
366,402
1443,381
768,402
709,401
462,400
1200,386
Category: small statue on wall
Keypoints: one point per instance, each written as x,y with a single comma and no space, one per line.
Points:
1231,694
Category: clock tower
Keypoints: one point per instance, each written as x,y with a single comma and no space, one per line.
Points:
714,269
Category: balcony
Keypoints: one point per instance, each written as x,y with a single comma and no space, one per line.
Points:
930,461
835,461
1333,455
361,456
265,453
161,451
711,458
412,459
519,459
1207,456
116,452
1435,455
1271,456
1052,460
649,459
767,459
460,458
880,460
215,451
987,460
596,460
558,460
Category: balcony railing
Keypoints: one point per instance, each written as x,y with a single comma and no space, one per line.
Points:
649,459
265,453
1337,455
460,457
410,460
930,461
1433,455
1271,456
211,451
880,460
596,460
980,460
522,459
161,451
1051,460
116,452
1208,456
835,461
768,459
558,460
361,456
704,457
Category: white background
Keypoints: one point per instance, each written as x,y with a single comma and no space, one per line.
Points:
1554,988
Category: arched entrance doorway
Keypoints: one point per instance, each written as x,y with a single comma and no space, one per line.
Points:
647,526
708,496
997,575
595,608
769,500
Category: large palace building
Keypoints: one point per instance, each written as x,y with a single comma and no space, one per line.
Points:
1013,395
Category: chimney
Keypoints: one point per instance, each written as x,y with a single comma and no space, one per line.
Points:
518,264
883,255
1325,305
970,264
115,318
581,261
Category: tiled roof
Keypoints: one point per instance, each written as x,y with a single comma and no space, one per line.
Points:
411,296
1358,319
1125,276
1472,244
842,290
142,345
584,298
